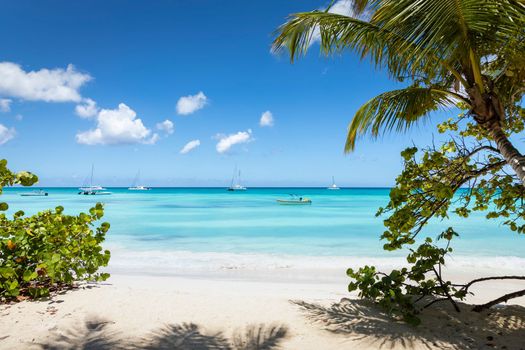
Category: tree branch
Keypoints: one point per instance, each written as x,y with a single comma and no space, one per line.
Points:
502,299
434,301
445,290
468,285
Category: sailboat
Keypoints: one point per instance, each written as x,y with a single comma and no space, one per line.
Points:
93,189
236,182
333,186
135,185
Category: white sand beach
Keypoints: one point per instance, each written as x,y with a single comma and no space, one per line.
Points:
238,312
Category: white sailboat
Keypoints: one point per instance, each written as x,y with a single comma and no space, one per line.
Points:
333,186
135,185
93,189
236,182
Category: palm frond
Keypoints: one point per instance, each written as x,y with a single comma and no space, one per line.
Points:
398,110
359,6
453,29
410,37
338,32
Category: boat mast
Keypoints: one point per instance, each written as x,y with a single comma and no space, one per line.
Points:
92,170
136,180
233,177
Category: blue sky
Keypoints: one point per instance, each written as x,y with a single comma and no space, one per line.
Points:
147,55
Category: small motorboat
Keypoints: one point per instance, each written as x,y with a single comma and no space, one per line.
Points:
139,188
39,193
294,200
94,191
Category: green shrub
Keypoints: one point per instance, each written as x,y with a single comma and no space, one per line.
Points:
49,250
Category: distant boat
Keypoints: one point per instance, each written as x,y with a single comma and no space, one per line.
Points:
236,182
39,193
333,186
294,200
135,185
93,190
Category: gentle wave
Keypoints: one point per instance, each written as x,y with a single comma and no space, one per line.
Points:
187,262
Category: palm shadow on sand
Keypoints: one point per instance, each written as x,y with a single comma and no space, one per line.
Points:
441,327
93,334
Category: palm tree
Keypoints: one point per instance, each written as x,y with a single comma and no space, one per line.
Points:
454,53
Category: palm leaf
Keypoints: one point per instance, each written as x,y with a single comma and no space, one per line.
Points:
457,30
339,32
398,110
411,37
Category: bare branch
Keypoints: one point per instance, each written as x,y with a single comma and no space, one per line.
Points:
502,299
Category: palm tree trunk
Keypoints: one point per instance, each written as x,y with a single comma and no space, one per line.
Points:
511,155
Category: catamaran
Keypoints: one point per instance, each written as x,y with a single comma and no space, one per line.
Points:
333,186
236,182
135,185
93,189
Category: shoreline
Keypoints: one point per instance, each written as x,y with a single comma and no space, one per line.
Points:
286,267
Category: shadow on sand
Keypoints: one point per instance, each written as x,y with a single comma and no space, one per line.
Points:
355,320
93,334
441,327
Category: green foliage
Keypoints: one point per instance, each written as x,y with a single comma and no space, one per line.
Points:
407,291
468,52
49,250
455,54
461,176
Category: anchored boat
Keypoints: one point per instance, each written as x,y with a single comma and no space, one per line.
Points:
333,186
135,185
295,200
236,182
39,193
93,190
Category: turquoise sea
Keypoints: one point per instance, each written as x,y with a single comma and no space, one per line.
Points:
200,226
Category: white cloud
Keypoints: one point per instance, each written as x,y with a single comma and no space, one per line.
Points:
167,126
189,146
19,117
49,85
6,134
227,141
87,109
117,126
5,105
340,7
191,103
266,119
343,7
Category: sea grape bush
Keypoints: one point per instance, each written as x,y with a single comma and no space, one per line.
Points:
50,250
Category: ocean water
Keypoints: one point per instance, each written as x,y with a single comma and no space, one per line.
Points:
203,228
